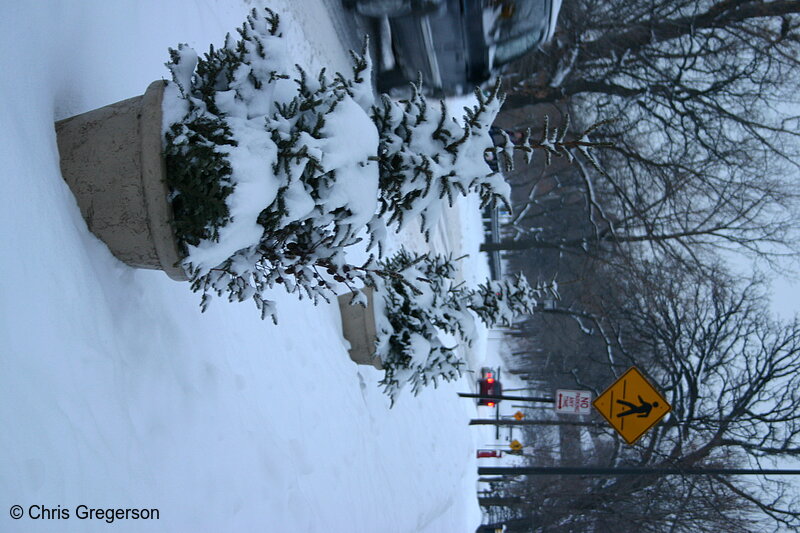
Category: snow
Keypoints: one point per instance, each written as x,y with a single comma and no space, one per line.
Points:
350,138
116,392
251,161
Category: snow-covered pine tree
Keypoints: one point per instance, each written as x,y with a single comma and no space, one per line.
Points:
415,302
422,314
499,302
426,157
245,128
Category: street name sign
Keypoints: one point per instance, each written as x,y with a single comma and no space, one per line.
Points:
573,402
632,405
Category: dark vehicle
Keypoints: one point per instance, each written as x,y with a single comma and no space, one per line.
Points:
457,44
489,386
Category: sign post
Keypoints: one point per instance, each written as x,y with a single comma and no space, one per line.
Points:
632,405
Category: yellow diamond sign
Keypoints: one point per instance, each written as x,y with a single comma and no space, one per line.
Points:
632,405
516,445
518,415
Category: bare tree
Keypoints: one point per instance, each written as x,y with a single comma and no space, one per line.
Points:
732,376
703,99
683,213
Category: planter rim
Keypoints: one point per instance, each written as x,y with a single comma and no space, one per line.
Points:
156,192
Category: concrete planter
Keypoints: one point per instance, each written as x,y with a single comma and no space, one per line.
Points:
111,158
358,327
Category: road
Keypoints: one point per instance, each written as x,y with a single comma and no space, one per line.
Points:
352,28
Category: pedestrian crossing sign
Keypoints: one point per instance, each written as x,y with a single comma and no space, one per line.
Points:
632,405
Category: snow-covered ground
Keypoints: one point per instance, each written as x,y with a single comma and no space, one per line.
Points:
116,392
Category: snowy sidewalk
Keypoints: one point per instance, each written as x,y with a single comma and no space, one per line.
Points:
116,392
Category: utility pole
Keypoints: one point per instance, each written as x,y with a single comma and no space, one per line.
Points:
499,501
505,397
497,419
628,471
523,422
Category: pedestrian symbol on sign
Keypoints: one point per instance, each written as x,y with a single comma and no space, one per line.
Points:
642,410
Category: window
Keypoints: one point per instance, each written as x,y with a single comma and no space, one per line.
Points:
513,48
513,18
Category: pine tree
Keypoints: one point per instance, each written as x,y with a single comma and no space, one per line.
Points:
499,302
306,228
418,305
414,301
427,158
